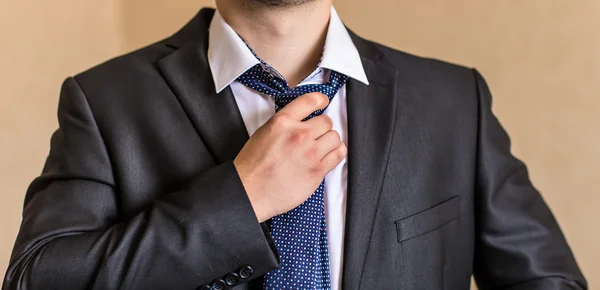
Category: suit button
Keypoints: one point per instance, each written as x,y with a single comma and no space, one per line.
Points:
204,288
218,285
245,272
231,279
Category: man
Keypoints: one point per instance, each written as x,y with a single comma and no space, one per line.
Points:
153,182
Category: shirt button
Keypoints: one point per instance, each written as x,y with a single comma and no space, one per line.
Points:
231,279
245,272
218,285
204,288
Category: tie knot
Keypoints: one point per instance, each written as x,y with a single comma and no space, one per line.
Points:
262,81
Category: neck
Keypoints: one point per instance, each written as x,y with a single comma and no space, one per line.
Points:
289,39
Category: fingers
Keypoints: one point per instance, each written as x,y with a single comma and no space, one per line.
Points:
327,143
319,125
305,105
334,157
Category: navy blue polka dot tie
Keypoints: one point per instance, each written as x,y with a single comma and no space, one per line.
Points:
300,235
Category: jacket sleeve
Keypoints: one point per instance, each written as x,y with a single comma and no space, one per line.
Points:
519,244
72,236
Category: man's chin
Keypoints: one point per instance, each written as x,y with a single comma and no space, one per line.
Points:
280,3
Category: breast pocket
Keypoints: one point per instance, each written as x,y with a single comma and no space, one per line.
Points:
428,220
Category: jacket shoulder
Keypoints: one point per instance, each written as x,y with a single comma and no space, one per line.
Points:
431,76
440,86
139,63
123,82
419,64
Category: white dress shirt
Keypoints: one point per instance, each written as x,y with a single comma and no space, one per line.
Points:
229,57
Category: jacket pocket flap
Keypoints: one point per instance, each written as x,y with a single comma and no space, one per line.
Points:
428,220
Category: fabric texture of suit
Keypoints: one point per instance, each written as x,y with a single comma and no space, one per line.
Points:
139,190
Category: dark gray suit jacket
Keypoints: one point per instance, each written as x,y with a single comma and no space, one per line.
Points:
139,190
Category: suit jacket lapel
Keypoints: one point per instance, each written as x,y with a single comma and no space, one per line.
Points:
371,117
215,117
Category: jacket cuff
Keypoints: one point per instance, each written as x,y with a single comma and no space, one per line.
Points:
242,244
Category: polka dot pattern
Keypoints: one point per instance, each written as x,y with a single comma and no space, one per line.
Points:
261,80
300,235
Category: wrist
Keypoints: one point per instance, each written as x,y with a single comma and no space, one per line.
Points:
259,205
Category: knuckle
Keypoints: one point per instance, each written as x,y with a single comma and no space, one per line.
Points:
317,99
311,100
280,121
311,153
337,142
336,136
323,99
316,171
333,139
341,152
298,136
328,121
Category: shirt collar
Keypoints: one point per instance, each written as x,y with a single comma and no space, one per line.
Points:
229,57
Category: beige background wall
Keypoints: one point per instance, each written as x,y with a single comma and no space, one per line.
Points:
541,59
41,42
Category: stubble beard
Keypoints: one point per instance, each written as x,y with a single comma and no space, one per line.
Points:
278,3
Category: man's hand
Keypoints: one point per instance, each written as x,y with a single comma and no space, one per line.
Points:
286,159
